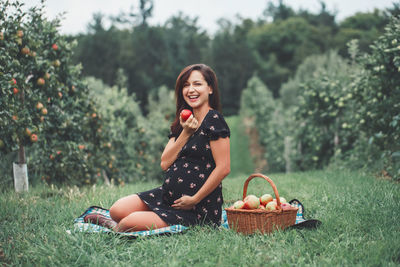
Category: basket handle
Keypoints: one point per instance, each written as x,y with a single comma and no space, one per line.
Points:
246,183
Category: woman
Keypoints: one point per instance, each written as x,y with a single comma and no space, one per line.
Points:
195,161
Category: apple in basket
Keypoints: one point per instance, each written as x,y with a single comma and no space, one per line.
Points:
251,202
286,206
271,206
238,204
264,199
261,207
282,199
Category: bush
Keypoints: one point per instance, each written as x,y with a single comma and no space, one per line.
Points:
136,140
377,92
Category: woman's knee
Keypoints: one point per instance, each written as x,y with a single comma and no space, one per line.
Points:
141,221
125,206
116,212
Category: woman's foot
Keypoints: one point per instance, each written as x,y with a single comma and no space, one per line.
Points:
100,219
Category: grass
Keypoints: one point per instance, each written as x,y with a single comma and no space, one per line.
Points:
360,216
241,161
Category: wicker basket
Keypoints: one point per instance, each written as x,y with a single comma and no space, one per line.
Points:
257,220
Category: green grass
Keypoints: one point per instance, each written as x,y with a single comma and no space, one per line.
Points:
360,216
241,162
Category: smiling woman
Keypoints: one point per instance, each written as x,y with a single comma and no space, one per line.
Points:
195,161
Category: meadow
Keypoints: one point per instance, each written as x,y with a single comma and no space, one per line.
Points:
359,213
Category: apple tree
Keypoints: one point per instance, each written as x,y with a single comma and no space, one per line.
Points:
44,102
377,92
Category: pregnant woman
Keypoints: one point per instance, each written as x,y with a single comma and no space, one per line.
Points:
195,161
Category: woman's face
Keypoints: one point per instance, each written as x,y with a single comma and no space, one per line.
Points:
196,90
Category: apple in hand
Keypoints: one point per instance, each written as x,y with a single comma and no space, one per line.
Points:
251,202
264,199
185,114
271,206
238,204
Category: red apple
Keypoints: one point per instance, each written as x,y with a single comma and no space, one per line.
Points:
25,50
271,206
15,90
34,138
55,47
44,111
39,105
264,199
251,202
238,204
185,114
40,82
286,206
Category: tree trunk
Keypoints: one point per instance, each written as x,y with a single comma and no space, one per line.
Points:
20,168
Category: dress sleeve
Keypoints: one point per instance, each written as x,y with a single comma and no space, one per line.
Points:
216,126
170,135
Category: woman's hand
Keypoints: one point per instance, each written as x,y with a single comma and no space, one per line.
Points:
190,125
184,203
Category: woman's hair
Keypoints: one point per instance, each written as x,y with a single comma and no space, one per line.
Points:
181,104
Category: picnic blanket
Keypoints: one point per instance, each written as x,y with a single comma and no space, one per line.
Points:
81,226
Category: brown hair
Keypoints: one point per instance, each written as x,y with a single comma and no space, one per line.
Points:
181,104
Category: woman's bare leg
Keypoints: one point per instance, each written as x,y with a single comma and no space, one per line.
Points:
125,206
140,221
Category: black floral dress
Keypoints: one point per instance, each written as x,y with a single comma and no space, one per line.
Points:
187,175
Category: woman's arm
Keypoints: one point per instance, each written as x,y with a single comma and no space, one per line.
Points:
221,153
172,149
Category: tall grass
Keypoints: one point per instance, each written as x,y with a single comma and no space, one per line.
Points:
360,216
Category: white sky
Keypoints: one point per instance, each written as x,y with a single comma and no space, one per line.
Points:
79,13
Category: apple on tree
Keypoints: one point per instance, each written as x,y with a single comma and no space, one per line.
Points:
34,138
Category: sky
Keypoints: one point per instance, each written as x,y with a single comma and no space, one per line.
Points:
79,13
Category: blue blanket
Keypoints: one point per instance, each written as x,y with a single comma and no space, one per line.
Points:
81,226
